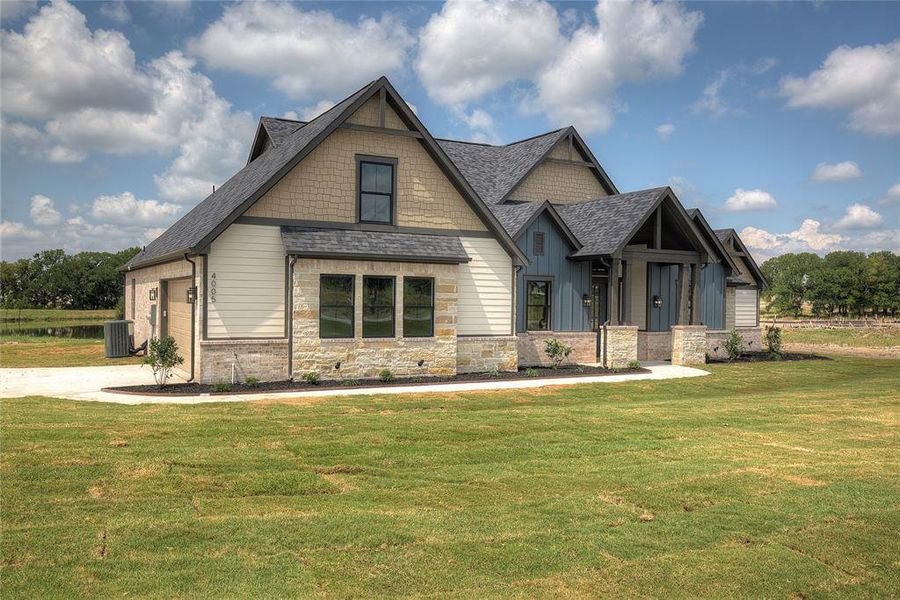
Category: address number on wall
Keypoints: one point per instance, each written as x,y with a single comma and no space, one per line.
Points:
212,288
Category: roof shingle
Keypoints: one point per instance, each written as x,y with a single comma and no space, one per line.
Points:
346,243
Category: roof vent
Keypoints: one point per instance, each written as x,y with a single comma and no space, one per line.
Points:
538,243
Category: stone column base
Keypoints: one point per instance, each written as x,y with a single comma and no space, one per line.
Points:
621,346
689,344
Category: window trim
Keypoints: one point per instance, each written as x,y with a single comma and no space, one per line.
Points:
549,281
378,160
432,307
393,278
352,306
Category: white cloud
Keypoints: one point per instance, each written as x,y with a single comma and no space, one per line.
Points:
473,48
759,238
864,80
809,237
632,42
811,234
711,99
11,10
482,125
116,11
860,216
892,196
12,230
43,212
99,100
841,171
125,208
665,131
306,54
744,200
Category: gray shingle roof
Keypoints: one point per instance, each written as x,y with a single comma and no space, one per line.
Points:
494,170
204,218
280,129
514,216
603,225
723,234
701,224
345,243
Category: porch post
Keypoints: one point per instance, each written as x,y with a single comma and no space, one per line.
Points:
625,317
613,291
695,294
683,294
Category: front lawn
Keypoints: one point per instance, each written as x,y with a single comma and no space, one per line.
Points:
762,480
25,351
882,337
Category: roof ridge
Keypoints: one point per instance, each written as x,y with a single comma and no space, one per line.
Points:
485,144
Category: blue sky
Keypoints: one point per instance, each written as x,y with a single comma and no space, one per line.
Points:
781,120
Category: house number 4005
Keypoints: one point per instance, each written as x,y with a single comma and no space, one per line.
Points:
212,287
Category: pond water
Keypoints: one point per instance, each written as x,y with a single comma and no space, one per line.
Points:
81,332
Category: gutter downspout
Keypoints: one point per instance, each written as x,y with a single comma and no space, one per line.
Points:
290,318
193,314
606,322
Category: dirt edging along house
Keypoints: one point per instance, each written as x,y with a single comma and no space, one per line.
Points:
357,242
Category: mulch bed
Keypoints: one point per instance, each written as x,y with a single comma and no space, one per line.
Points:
191,389
747,357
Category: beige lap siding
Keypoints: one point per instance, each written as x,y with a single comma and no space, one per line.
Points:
366,357
323,187
247,280
485,289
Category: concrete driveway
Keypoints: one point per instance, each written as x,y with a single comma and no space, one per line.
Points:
85,383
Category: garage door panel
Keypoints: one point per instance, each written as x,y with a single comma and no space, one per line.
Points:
178,318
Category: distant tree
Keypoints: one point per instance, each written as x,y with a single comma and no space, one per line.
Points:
789,277
883,282
839,286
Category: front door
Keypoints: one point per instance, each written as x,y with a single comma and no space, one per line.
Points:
176,317
662,296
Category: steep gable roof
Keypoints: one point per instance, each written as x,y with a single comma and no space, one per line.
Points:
703,225
199,227
726,235
496,171
517,217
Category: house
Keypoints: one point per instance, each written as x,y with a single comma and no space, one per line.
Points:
357,242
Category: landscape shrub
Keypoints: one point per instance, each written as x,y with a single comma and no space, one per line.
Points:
734,345
221,386
634,364
386,376
252,381
556,351
312,378
162,356
531,372
773,341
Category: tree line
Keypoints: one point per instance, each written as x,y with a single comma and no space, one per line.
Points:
54,279
840,283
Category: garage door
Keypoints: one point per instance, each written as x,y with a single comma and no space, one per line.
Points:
177,319
745,308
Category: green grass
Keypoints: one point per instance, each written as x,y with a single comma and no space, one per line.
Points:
855,338
763,480
23,351
44,315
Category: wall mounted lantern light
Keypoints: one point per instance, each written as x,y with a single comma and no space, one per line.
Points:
587,300
192,294
657,302
154,293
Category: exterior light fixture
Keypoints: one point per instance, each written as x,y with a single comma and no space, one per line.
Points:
586,300
154,293
192,294
657,302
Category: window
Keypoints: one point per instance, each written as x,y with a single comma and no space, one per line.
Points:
418,307
376,191
537,306
378,307
538,243
336,306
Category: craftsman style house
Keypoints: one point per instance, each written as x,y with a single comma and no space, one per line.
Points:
357,242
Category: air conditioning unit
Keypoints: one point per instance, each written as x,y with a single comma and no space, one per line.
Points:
117,338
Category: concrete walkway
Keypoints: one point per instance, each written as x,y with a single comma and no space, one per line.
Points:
84,383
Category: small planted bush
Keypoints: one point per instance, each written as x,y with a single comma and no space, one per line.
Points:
252,381
221,386
312,378
734,345
386,375
350,382
556,351
162,356
773,341
634,364
531,372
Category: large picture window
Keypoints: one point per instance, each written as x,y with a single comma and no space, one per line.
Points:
418,307
378,307
336,306
537,306
376,191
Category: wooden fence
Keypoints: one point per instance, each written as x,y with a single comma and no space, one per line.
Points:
833,323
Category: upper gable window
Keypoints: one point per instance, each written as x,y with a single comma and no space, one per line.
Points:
376,190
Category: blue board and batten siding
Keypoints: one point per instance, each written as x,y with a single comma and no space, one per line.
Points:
663,282
571,280
712,296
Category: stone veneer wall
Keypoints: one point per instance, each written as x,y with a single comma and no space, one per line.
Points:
621,345
146,278
531,347
482,354
365,357
267,360
715,340
654,345
688,344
